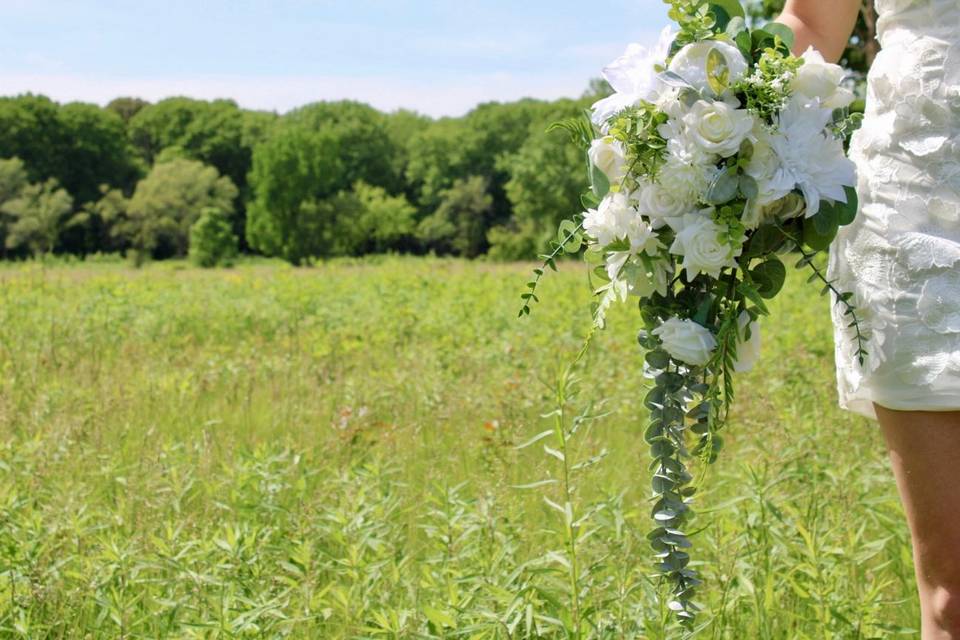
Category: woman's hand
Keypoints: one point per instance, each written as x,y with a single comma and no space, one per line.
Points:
825,24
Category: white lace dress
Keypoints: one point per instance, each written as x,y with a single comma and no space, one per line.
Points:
901,257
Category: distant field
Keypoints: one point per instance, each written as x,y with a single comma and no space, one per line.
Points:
266,452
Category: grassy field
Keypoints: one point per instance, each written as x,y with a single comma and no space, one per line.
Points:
331,453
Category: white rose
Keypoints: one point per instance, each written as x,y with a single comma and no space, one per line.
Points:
662,205
718,127
608,155
611,220
748,350
702,246
791,205
690,63
686,341
687,181
819,80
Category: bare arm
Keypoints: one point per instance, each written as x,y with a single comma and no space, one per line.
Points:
825,24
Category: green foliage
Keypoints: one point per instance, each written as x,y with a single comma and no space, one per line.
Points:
313,156
212,242
460,222
79,145
333,454
168,201
38,214
546,176
213,132
126,108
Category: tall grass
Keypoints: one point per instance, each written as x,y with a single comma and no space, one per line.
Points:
333,453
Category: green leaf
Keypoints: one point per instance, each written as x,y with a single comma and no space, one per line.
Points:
733,8
540,436
784,32
812,236
735,27
721,17
846,213
826,221
439,618
749,187
769,277
723,188
569,236
599,182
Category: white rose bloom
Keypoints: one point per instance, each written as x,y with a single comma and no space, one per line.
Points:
819,80
690,63
718,127
633,77
810,157
789,206
748,350
609,156
662,205
703,249
687,181
686,341
612,220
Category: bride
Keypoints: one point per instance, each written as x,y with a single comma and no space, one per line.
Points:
902,259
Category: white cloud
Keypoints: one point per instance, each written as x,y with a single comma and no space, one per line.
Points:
284,93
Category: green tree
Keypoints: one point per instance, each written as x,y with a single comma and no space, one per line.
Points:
546,180
168,201
107,218
212,241
13,179
459,224
315,154
382,222
126,108
80,145
39,213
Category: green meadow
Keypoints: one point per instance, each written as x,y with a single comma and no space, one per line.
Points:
332,452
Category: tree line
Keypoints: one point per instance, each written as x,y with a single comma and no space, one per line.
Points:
327,179
210,179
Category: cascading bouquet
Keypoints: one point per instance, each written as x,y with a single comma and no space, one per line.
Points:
718,154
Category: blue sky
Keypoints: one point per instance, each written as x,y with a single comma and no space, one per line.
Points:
438,57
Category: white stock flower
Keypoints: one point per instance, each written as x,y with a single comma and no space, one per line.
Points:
748,350
810,157
681,145
612,220
609,155
819,80
633,77
686,341
702,245
718,127
690,63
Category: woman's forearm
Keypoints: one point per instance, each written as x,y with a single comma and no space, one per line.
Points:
824,24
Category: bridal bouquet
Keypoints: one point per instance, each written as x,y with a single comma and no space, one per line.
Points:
718,155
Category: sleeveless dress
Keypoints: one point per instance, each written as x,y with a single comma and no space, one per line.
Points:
901,256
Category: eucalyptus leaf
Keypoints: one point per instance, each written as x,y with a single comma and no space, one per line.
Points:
723,188
769,277
781,30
